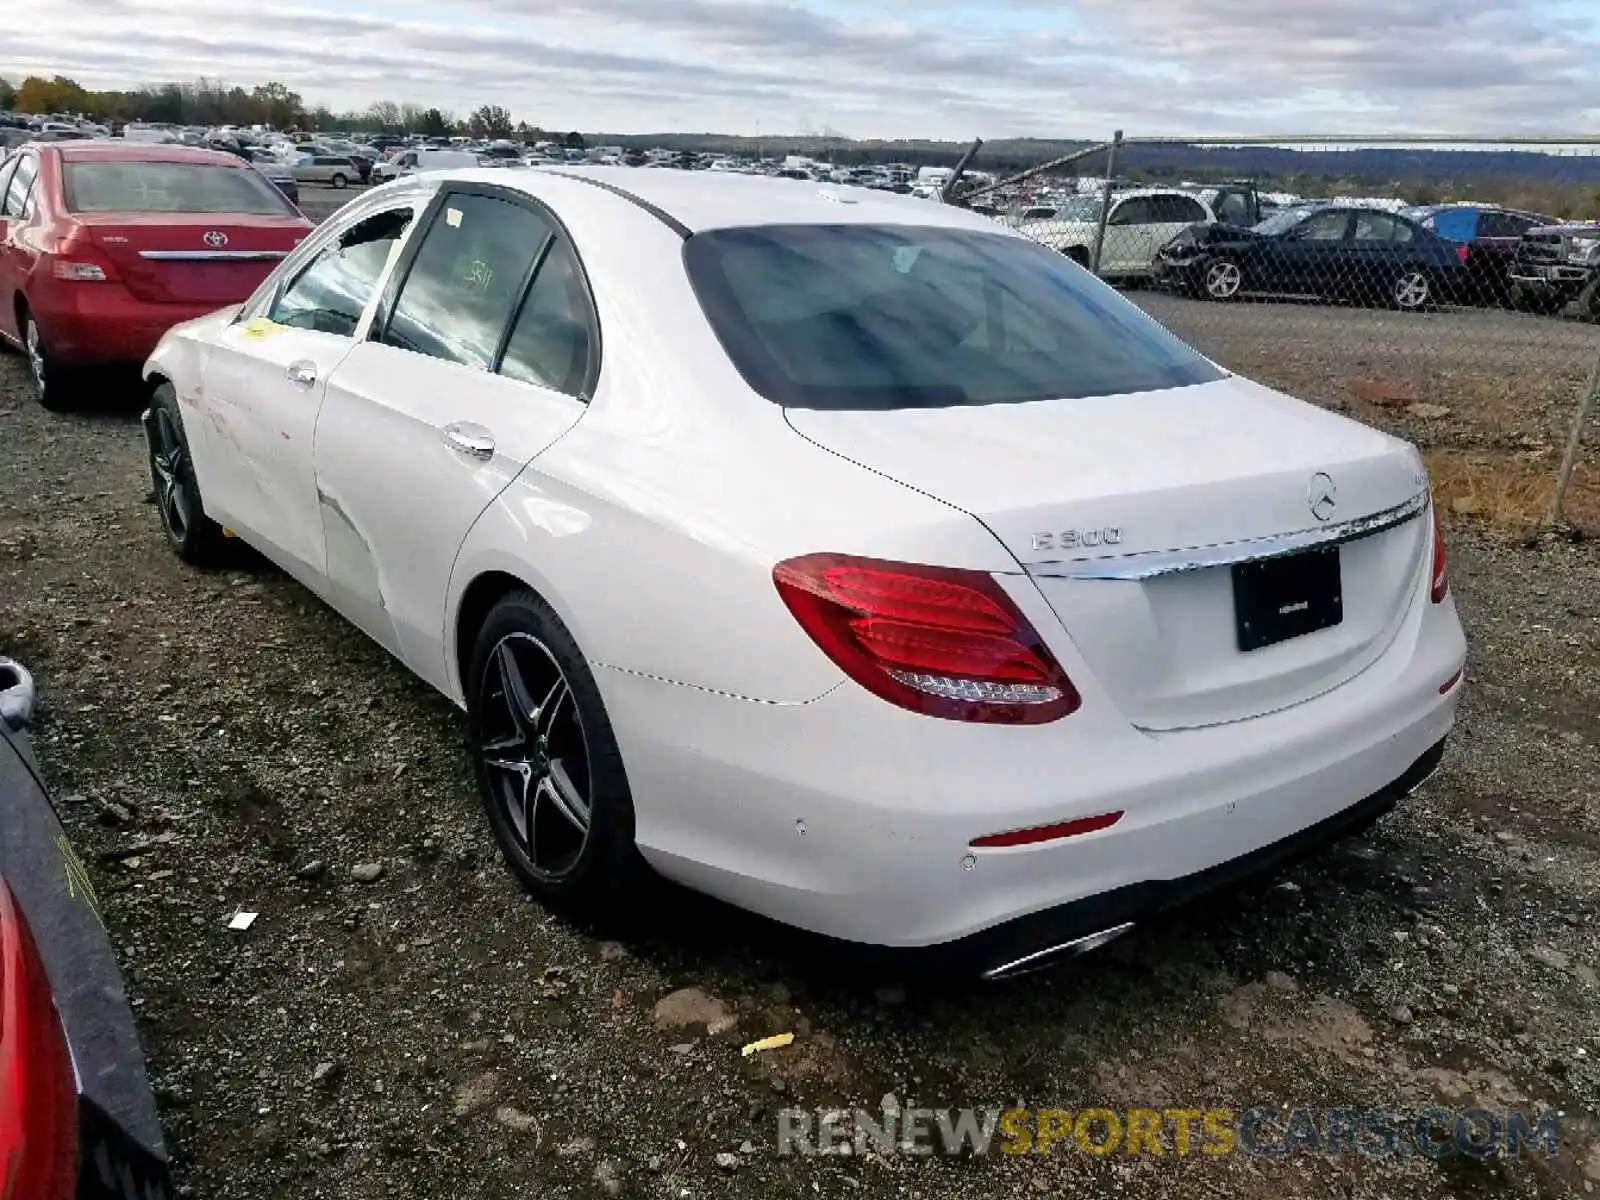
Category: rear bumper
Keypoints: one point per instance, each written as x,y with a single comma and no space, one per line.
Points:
848,817
100,323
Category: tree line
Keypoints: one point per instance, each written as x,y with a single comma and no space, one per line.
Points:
213,102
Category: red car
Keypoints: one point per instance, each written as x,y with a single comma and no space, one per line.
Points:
105,246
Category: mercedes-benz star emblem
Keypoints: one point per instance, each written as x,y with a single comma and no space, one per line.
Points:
1322,496
215,239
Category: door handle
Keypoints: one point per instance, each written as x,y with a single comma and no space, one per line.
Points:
302,374
472,440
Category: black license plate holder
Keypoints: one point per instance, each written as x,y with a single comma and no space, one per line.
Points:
1275,599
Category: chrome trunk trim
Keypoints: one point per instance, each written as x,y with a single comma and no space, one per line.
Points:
205,255
1040,959
1151,563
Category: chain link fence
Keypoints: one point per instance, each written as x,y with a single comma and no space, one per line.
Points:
1447,289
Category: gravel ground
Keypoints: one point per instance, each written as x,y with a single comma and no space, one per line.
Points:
402,1022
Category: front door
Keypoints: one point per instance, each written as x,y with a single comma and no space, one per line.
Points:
480,358
264,383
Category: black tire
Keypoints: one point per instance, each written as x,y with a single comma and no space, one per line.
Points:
52,385
1588,302
531,773
339,182
193,536
1078,255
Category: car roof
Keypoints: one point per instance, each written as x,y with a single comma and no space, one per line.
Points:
700,200
110,151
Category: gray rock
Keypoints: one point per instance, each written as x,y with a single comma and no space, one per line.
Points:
323,1071
728,1162
609,1176
576,1147
366,872
516,1120
311,870
693,1006
1400,1014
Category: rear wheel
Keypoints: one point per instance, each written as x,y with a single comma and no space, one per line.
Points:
1412,290
1223,279
50,382
191,534
339,182
547,763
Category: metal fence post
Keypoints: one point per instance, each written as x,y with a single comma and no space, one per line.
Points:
1569,460
1105,202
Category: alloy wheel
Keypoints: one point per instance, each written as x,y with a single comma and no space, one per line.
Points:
167,462
535,754
33,344
1411,290
1223,280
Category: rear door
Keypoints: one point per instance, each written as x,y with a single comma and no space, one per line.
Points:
1313,256
481,356
265,378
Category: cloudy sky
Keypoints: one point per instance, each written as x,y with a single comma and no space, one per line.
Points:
867,68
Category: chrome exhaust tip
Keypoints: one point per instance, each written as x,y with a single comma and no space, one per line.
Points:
1040,959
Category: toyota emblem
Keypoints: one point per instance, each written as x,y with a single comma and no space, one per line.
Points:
1322,496
216,239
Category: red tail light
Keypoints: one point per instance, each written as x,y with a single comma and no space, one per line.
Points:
936,640
1441,577
38,1090
1463,252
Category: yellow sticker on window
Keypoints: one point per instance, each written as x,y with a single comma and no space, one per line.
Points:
452,218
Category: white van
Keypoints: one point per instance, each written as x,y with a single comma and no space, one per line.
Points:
409,162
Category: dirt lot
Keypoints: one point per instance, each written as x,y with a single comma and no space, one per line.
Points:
221,741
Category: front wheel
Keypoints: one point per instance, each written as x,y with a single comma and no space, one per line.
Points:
1223,279
548,767
193,536
339,182
1412,290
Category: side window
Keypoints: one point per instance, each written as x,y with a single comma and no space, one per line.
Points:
17,189
550,343
330,294
1232,208
1178,210
1378,227
1503,224
1323,227
466,280
1136,211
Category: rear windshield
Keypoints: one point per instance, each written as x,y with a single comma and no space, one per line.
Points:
885,317
100,187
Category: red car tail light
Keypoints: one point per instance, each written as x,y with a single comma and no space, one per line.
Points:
38,1088
1441,577
936,640
1463,252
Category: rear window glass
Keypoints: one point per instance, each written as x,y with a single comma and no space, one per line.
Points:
1456,224
884,317
93,187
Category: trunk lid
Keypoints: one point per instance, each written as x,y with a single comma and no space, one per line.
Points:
1091,494
192,258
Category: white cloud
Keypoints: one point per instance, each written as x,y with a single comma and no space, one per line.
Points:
943,68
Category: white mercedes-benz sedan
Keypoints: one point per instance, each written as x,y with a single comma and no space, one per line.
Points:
846,556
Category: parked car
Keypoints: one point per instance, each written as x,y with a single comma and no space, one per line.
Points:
1557,265
409,162
1485,238
78,1118
1345,252
1071,623
280,175
1139,224
105,245
336,171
